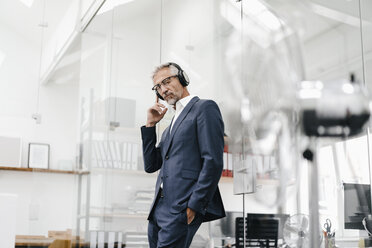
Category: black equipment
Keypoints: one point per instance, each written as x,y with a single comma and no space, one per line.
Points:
262,230
357,205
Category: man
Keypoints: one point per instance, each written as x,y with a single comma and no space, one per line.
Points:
190,158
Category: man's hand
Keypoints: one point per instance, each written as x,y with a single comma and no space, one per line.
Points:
190,215
155,114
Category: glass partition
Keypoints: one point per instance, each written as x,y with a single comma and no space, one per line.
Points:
119,50
86,97
248,56
38,129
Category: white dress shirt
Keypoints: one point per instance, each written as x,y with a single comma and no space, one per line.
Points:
180,105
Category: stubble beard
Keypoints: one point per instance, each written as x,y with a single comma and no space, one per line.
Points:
171,101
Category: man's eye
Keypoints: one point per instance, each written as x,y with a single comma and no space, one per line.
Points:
166,81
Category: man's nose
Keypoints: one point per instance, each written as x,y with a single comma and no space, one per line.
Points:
164,89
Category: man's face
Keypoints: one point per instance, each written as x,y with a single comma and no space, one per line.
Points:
171,89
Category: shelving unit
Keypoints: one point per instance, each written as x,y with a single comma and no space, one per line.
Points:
116,184
77,172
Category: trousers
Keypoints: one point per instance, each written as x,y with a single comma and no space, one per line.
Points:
170,230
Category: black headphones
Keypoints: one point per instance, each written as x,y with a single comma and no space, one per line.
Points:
182,77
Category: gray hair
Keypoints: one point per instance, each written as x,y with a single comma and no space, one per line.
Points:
169,65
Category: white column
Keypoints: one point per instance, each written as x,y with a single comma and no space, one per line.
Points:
8,210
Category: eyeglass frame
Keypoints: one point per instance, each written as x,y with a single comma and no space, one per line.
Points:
163,83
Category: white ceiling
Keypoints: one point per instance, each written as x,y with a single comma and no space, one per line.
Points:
25,21
315,17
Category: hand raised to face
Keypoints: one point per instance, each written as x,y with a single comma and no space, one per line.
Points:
155,113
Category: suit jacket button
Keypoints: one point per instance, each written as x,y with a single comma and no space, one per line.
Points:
166,157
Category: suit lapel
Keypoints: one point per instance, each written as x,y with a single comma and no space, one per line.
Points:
179,120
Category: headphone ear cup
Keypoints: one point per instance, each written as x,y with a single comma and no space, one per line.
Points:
184,79
182,76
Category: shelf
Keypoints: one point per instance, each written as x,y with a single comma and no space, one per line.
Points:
32,242
44,170
226,179
123,171
141,173
116,215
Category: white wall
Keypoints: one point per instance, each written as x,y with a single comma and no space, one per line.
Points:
52,194
58,104
334,54
45,201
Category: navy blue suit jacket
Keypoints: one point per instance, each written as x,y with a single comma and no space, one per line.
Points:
190,159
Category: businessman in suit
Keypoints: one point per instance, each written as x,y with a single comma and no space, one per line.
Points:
189,157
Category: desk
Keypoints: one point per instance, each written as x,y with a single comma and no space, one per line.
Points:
43,242
52,243
348,242
34,243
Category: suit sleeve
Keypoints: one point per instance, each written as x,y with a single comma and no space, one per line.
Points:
151,154
210,130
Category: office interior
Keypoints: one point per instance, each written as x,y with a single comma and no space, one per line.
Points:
292,79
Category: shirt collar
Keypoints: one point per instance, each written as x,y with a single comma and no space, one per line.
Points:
180,104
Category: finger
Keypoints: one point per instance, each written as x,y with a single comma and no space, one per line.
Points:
190,219
161,111
160,105
158,109
164,111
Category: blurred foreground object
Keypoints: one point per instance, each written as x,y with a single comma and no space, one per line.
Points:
333,109
336,109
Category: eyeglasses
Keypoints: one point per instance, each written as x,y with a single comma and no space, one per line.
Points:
164,82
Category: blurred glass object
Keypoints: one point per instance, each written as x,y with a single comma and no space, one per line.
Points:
296,231
244,175
264,65
333,109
